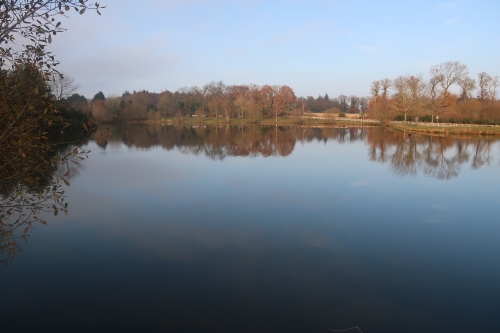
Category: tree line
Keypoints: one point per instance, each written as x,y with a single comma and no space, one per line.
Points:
216,100
432,99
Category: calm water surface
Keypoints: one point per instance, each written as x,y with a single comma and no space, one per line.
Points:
255,229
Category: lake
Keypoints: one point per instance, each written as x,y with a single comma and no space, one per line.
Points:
266,229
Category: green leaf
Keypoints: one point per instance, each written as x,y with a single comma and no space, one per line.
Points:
50,39
65,182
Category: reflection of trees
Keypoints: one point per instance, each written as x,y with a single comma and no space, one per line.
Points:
439,157
435,161
481,154
218,142
23,201
404,161
20,210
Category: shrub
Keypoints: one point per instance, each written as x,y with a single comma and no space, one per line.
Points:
426,119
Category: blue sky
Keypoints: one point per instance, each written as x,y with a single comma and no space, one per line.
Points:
314,46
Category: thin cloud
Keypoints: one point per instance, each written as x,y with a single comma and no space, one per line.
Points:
136,67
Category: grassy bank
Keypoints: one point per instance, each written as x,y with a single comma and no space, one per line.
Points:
448,130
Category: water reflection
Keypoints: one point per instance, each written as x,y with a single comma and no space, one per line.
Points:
218,142
436,156
406,153
25,202
303,227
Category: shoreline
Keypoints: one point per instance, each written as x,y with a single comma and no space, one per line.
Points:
262,121
476,130
459,129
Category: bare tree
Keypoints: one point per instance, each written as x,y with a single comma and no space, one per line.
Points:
492,89
385,85
342,99
380,104
487,87
137,105
268,94
401,95
449,73
166,103
468,85
63,87
354,102
363,104
226,104
197,100
409,94
213,93
484,80
285,100
112,104
241,103
375,89
185,101
435,105
99,110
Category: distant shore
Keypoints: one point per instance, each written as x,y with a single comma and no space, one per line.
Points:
451,129
259,121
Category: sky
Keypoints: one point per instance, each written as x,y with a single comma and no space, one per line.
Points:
314,46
